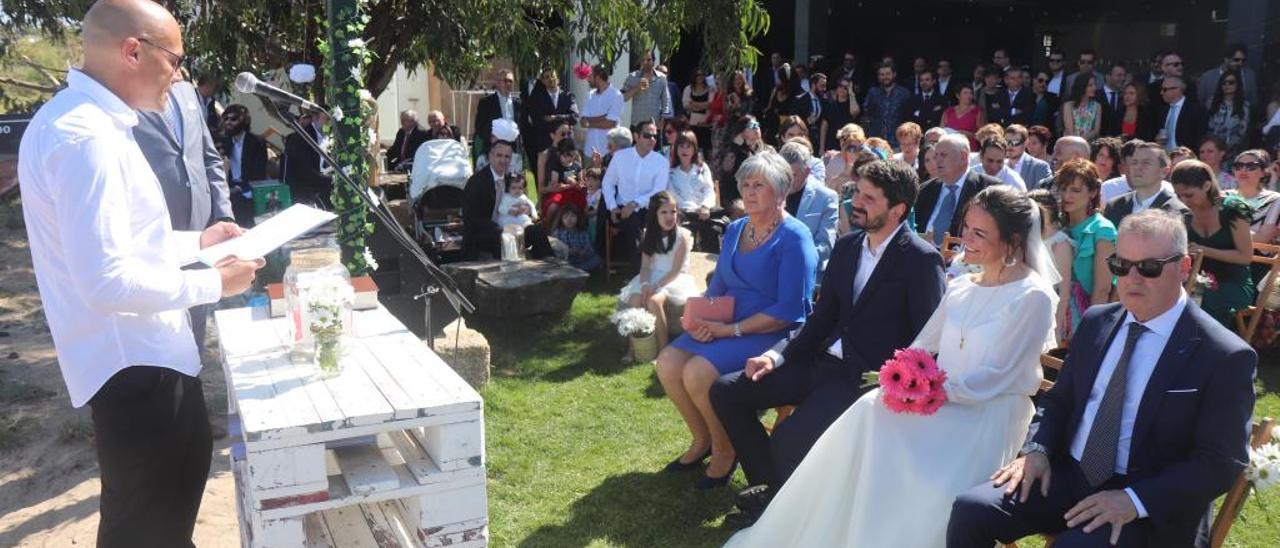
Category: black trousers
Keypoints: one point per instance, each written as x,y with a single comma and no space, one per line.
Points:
152,437
984,514
241,207
821,390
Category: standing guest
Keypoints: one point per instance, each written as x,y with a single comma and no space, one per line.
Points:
1229,112
1038,139
505,104
741,98
1000,58
1068,147
646,89
482,234
1232,60
548,106
1170,67
874,474
1086,63
549,160
965,117
1218,228
1095,237
107,263
307,174
1183,122
841,111
1106,157
883,285
1056,73
886,105
1045,111
1213,152
438,127
939,209
738,100
1112,98
207,87
1031,169
928,104
695,194
601,113
818,104
664,274
779,103
1135,119
768,266
1250,169
810,201
1018,103
992,163
944,78
673,91
635,174
848,72
748,141
769,77
409,137
246,162
908,135
919,66
697,103
1147,169
1154,71
1120,456
1081,113
990,93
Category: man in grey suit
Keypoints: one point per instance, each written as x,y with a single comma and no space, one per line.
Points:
1234,59
810,201
1147,170
1030,168
180,149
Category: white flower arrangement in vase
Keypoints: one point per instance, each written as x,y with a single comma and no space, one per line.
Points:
634,322
328,304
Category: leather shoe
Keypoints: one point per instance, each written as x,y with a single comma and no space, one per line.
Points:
677,466
707,482
742,519
754,498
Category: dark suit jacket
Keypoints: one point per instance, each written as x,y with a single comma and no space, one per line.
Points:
488,110
1191,432
1044,110
416,137
929,193
302,170
253,158
539,107
1121,206
928,113
1000,108
898,299
1192,124
479,198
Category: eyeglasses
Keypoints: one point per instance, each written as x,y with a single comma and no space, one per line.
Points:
1248,166
1015,142
649,135
1148,268
753,125
179,61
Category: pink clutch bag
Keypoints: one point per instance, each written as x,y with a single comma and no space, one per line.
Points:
716,309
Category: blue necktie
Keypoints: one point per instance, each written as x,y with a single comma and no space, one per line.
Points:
946,210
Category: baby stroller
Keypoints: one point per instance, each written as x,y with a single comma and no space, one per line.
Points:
441,168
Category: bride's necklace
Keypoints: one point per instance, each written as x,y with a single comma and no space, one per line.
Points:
964,324
751,232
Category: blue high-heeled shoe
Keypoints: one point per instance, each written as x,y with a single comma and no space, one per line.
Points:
677,466
707,482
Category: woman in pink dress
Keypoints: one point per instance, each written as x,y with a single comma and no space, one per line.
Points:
965,117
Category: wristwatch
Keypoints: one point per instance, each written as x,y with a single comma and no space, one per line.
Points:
737,329
1033,447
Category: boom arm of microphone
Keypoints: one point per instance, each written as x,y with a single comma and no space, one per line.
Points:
375,205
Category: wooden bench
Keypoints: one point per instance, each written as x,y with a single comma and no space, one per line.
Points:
388,453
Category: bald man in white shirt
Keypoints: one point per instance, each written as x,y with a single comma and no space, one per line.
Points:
108,266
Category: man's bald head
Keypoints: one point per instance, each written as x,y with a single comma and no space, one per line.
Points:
133,48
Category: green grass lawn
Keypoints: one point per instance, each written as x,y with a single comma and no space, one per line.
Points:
576,441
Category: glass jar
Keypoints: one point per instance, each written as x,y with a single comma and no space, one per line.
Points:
319,296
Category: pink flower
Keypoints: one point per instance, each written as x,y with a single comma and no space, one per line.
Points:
901,379
911,382
897,404
582,70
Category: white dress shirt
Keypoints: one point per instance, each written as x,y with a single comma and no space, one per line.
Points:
1055,84
607,103
693,189
1142,205
106,260
507,106
1119,186
632,178
1006,175
1142,363
237,154
937,206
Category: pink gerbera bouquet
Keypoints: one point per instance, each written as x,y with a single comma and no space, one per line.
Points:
910,382
582,70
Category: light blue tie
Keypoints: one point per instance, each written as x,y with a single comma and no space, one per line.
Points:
1170,126
946,211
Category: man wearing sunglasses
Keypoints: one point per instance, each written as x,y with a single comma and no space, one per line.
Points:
1171,66
1145,426
1234,58
635,174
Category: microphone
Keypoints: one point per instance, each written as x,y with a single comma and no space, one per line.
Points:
246,82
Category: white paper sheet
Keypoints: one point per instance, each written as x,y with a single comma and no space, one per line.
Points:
266,237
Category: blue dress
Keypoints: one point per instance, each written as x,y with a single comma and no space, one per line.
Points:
775,278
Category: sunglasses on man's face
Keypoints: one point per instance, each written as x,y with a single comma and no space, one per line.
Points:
649,135
1016,142
1248,166
1147,268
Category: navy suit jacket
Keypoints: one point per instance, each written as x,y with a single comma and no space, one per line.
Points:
931,190
898,299
1191,432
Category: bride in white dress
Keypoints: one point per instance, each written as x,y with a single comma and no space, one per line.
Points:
879,478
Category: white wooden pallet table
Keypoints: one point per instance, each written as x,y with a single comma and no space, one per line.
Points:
388,453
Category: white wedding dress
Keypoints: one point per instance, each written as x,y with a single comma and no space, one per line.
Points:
878,478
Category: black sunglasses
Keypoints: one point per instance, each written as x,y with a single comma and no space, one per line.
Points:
1248,166
647,135
1148,268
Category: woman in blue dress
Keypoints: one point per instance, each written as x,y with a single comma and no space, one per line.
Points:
767,264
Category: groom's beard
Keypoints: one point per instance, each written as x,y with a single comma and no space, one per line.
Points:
861,220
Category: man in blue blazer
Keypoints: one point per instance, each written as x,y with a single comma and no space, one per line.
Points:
810,201
1146,425
883,284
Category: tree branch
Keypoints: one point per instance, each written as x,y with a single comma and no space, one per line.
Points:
30,85
47,72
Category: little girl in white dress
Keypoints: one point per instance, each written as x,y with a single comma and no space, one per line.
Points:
515,212
664,276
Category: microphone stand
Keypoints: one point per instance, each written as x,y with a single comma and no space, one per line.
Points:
443,283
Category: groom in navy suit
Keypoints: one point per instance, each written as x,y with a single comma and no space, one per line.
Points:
1147,424
881,285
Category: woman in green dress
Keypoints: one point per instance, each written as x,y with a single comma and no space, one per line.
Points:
1218,227
1095,237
